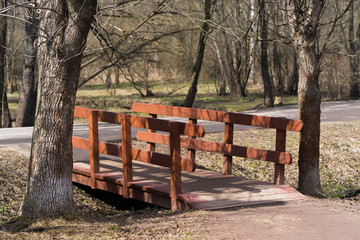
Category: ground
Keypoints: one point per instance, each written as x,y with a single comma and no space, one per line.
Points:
336,216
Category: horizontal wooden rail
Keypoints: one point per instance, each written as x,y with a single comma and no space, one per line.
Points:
219,116
221,148
142,122
155,158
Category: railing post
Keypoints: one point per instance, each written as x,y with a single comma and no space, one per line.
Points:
151,146
279,176
191,153
228,138
175,170
126,153
94,147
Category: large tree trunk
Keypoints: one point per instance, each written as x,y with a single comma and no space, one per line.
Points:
27,103
304,24
5,119
268,95
354,47
64,27
190,98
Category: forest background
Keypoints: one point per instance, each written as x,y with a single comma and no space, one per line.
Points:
241,51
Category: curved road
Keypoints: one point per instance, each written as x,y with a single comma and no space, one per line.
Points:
20,138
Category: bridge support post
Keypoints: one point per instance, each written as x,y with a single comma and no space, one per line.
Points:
175,170
94,147
279,176
228,138
126,153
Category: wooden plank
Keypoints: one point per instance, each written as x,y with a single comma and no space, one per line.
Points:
80,112
175,170
150,146
81,143
191,153
279,176
162,125
126,152
220,116
160,159
94,147
221,148
228,139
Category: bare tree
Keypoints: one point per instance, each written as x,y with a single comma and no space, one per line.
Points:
304,21
354,48
5,119
190,98
263,22
63,30
27,101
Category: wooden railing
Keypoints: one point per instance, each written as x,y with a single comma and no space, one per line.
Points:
127,153
227,148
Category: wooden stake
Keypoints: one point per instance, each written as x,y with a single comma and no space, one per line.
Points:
175,170
126,153
279,177
228,138
94,147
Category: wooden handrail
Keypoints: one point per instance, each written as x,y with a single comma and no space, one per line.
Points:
220,116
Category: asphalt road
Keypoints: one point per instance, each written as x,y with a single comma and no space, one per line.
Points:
20,138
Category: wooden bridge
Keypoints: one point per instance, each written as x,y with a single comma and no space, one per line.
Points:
170,180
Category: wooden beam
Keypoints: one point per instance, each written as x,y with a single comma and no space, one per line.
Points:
279,176
94,147
126,153
151,146
221,148
175,170
228,139
220,116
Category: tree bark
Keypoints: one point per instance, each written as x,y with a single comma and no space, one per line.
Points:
304,22
64,28
292,83
268,95
354,46
190,98
27,102
5,119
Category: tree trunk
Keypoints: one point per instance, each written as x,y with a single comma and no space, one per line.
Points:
292,84
268,95
304,25
354,46
279,81
64,27
5,119
190,98
27,102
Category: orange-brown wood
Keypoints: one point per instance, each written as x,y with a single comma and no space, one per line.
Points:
221,148
82,112
191,153
175,170
151,146
279,176
162,125
82,143
228,139
94,146
126,152
219,116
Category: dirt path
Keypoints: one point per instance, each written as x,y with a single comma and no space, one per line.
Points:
309,219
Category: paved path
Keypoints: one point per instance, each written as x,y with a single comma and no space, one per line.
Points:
20,138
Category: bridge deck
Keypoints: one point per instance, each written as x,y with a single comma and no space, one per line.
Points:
201,189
